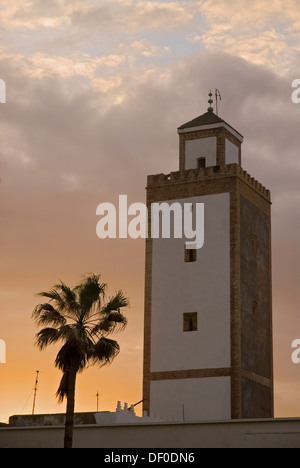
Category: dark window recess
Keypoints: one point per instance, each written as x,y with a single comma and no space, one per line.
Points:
190,322
190,255
254,243
255,311
201,163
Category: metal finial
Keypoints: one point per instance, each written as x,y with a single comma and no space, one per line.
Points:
218,98
210,102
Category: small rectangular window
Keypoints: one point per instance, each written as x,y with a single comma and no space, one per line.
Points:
255,311
254,243
190,255
190,322
201,163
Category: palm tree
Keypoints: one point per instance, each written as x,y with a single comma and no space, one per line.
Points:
82,320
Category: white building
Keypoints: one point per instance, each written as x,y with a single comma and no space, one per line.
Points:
208,312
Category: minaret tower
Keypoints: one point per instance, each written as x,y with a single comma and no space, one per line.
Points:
208,312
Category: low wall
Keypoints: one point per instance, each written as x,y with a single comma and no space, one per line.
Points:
277,433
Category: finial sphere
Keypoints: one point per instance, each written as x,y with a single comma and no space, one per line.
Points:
210,102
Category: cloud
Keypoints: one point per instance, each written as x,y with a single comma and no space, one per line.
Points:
116,130
135,15
92,41
35,14
157,14
260,32
42,65
145,48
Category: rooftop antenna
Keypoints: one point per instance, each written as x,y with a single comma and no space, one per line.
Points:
97,395
218,97
35,390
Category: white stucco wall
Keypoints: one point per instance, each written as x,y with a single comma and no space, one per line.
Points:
231,153
192,399
278,433
201,148
202,287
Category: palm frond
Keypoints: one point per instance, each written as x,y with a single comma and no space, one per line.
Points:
105,351
69,297
118,318
54,296
67,355
62,391
115,303
45,314
40,309
90,293
113,322
46,337
78,347
69,333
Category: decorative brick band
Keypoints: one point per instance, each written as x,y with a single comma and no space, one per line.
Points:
257,378
209,173
190,374
204,373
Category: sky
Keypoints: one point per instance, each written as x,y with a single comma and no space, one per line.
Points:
96,90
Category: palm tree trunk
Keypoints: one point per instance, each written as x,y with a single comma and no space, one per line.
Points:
69,425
